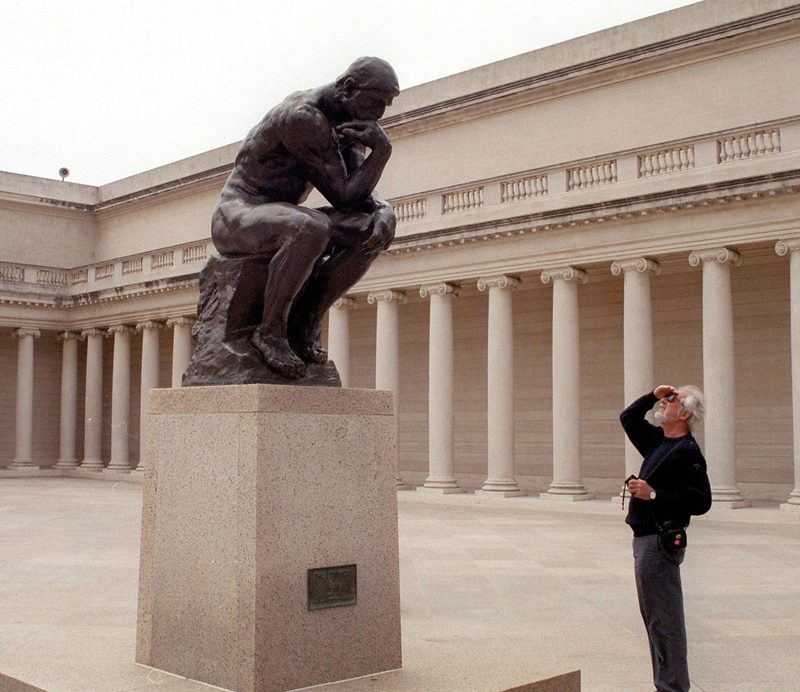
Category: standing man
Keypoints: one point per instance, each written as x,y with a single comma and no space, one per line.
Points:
672,486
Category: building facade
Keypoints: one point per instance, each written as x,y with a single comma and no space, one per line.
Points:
576,225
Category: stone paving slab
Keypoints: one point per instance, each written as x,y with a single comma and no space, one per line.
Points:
495,594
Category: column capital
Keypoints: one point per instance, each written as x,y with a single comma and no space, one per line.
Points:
499,281
67,335
641,265
93,331
345,302
388,296
565,274
180,321
723,255
784,247
120,329
440,288
149,324
27,331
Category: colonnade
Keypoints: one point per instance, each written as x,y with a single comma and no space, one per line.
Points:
567,484
93,391
567,481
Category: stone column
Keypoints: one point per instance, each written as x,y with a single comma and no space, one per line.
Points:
637,338
339,337
567,480
719,374
792,248
387,352
121,399
500,481
150,378
67,457
93,409
441,392
23,457
182,347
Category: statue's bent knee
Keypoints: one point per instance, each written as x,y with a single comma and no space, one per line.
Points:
315,235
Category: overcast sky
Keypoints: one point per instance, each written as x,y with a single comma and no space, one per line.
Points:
110,88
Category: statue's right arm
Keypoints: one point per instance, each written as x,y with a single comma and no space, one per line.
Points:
308,136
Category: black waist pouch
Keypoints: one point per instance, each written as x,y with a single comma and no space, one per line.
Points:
672,535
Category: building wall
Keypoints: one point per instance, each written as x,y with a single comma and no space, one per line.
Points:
680,102
178,219
46,237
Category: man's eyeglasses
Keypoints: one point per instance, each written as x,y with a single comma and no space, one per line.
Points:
673,397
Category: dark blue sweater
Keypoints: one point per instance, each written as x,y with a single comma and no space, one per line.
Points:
674,467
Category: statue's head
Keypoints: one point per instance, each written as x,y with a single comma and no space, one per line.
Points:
367,87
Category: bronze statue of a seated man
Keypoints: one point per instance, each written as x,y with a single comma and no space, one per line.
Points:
317,138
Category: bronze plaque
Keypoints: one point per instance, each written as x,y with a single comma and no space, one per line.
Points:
329,587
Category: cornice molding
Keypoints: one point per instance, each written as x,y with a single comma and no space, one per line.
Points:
640,265
388,296
565,274
723,255
441,288
787,246
502,281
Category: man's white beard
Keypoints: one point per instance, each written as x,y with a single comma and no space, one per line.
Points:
658,416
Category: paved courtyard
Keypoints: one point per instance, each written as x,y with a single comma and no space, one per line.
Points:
494,595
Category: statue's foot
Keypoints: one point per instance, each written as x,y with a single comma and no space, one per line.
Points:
314,353
278,355
308,345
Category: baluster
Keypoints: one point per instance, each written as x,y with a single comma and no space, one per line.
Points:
729,151
775,140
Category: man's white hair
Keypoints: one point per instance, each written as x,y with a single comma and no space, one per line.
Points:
694,403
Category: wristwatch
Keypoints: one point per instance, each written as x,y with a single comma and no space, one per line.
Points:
652,494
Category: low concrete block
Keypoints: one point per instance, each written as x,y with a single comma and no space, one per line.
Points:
567,682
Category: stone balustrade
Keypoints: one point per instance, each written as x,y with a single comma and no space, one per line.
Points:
164,263
605,170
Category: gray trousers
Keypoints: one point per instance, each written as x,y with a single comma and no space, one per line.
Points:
658,585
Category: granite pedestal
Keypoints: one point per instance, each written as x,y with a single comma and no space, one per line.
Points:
248,490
